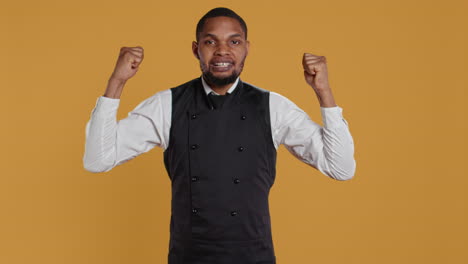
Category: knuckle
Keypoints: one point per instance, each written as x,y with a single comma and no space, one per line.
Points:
128,55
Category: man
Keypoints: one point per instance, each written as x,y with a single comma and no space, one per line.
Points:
220,136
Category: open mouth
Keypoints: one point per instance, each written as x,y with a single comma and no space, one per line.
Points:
221,66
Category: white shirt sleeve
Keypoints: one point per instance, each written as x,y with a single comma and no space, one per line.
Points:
110,142
330,148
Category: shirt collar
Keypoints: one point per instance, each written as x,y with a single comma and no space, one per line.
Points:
208,89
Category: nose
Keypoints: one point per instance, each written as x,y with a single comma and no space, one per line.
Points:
222,49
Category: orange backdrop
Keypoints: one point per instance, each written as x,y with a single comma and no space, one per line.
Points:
397,68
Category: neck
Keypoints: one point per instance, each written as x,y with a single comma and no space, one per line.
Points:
219,89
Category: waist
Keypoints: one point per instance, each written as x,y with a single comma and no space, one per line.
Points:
189,240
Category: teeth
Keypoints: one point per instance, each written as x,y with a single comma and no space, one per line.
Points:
222,64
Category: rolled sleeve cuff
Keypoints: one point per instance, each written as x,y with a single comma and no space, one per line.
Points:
332,117
106,106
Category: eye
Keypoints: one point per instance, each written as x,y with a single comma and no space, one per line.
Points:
209,42
236,42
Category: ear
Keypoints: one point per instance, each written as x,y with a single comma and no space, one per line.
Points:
195,49
247,46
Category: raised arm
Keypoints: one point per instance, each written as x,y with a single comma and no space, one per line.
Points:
110,142
330,148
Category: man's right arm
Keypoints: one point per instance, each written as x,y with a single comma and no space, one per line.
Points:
110,142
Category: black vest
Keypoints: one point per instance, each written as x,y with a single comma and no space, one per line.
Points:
221,163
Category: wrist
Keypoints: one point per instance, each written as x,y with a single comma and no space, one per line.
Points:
325,98
114,88
116,81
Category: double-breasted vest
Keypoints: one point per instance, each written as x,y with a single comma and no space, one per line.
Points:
221,163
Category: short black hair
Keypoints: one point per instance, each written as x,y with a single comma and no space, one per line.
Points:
216,12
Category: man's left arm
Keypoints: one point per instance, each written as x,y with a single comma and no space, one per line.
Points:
330,148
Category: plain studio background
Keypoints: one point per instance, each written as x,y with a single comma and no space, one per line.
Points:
397,68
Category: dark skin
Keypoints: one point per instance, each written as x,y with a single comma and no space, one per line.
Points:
222,39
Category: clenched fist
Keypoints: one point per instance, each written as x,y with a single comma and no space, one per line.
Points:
128,62
315,71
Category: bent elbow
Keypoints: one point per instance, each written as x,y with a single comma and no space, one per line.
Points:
343,177
92,169
345,174
96,167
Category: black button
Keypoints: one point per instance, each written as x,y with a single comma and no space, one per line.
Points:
241,148
236,181
233,213
195,146
194,210
243,117
194,116
194,178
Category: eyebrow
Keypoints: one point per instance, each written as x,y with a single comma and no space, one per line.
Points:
214,36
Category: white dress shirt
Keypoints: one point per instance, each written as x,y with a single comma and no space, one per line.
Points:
109,142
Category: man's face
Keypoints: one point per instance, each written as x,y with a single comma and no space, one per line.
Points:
221,50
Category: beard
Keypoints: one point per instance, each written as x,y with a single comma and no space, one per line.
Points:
211,79
221,81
